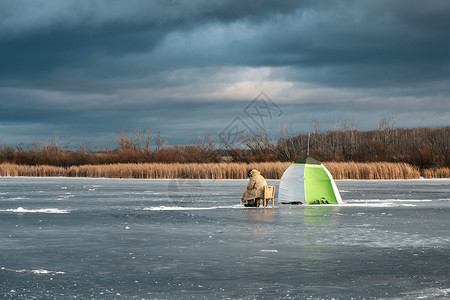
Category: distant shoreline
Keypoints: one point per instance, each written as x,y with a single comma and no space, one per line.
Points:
270,170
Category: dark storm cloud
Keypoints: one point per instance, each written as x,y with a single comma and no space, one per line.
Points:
79,31
97,66
362,43
388,41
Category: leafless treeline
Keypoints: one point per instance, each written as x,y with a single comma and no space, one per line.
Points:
422,147
134,146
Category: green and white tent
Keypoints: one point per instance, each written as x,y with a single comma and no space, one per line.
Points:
307,181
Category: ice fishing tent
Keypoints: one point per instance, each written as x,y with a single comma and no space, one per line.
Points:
307,181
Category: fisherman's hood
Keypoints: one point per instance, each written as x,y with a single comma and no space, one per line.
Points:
254,173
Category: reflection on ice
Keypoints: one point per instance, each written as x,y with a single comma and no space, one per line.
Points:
319,215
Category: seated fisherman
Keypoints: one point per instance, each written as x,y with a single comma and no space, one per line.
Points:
255,189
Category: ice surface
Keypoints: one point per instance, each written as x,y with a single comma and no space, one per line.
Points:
65,238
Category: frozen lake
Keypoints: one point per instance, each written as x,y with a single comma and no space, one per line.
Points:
66,238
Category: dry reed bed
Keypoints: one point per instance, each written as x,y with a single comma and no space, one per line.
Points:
167,171
271,170
375,170
35,171
436,173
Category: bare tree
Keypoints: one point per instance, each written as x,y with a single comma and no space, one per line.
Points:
386,124
207,146
83,147
137,140
289,146
160,142
315,126
148,135
141,140
124,141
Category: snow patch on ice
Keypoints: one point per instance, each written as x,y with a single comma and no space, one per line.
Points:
268,250
384,202
159,208
38,271
39,210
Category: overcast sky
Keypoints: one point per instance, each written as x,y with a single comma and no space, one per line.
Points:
83,70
